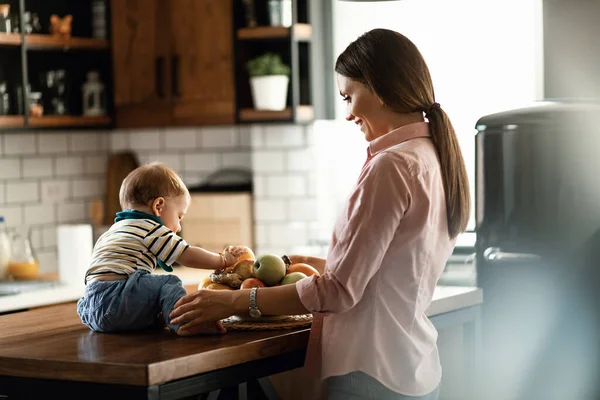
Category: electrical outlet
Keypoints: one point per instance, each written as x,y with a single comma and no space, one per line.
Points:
55,190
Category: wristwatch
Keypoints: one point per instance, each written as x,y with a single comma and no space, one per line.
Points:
254,311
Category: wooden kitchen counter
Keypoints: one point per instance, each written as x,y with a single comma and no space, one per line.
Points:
52,343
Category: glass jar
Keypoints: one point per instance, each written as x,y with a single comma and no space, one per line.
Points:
5,22
34,102
4,99
22,263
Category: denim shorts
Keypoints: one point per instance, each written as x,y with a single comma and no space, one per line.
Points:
130,305
360,386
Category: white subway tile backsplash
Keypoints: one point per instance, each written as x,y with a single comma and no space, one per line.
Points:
69,166
259,188
237,160
261,233
145,140
200,162
257,138
10,168
95,164
173,161
269,210
74,211
86,142
218,137
55,190
52,143
119,140
38,167
89,187
180,139
39,214
13,215
288,234
48,260
300,160
268,161
284,136
286,186
245,134
19,143
302,209
22,192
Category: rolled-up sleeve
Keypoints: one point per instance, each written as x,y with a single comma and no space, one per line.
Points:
365,230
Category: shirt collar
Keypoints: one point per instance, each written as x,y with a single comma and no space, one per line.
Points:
397,136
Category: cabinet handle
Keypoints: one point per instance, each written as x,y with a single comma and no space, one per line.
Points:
175,76
159,69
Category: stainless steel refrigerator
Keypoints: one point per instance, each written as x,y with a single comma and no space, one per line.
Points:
538,243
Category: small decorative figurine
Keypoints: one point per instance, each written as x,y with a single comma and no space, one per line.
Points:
61,27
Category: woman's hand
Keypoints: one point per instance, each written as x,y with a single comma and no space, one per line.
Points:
194,311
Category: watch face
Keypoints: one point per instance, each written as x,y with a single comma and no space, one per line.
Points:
255,313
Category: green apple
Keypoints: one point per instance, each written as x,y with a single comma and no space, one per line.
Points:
292,277
269,268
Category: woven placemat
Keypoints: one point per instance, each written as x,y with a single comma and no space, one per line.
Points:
282,322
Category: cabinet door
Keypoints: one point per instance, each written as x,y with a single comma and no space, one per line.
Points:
202,81
140,62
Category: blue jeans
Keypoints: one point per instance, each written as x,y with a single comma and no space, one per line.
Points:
360,386
130,305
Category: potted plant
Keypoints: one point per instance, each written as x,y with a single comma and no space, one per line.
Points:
269,80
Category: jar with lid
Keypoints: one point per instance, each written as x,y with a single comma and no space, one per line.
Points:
5,22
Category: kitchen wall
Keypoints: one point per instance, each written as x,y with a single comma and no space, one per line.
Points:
51,178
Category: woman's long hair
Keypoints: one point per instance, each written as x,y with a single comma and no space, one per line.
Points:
393,68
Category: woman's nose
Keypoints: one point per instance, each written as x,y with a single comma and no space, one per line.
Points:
350,117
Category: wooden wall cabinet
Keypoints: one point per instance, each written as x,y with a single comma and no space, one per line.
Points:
173,62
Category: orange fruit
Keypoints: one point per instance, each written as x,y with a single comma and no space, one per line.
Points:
205,282
251,282
306,269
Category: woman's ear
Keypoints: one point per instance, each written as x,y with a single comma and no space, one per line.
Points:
158,206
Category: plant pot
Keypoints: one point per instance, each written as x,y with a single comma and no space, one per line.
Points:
269,92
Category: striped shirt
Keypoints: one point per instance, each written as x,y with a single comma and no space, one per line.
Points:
133,244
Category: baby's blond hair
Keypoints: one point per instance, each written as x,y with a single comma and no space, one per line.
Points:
149,182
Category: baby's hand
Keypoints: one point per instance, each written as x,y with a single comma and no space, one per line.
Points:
233,253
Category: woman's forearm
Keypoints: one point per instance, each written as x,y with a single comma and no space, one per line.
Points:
278,300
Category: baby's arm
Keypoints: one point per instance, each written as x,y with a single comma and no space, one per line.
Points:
197,257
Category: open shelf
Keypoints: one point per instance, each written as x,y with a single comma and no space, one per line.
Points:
40,42
12,121
10,39
303,113
301,32
68,121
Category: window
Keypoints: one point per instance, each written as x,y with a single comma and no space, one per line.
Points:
485,56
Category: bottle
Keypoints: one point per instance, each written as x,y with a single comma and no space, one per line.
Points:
4,248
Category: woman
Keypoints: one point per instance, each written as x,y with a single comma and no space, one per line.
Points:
370,337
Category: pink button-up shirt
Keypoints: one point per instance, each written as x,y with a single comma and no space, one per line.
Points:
388,250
